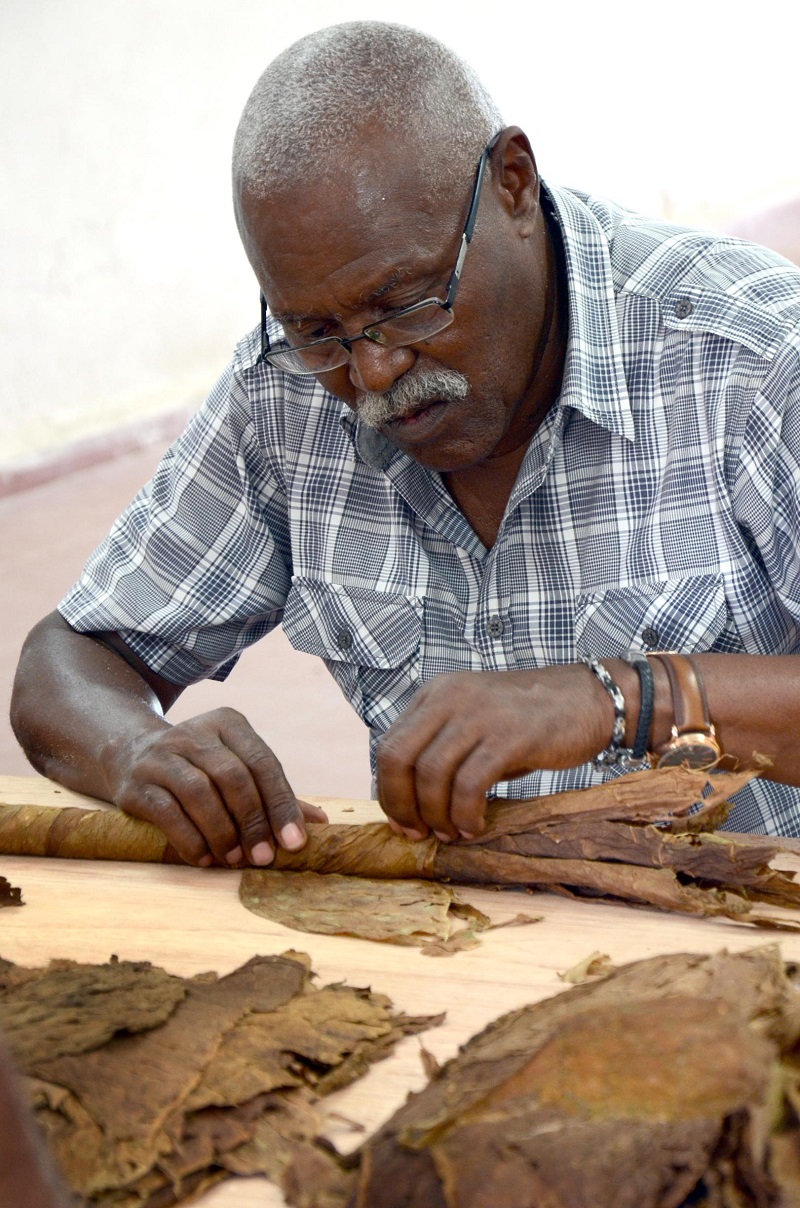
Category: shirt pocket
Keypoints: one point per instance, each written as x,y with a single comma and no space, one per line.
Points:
689,614
368,639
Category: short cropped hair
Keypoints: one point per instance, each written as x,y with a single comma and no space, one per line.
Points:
310,105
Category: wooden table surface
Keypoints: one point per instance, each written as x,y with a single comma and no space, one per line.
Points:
189,920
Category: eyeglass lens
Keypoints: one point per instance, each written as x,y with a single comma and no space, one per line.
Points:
395,331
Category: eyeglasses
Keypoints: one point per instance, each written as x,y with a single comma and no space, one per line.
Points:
399,328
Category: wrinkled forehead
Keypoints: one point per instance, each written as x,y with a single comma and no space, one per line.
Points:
378,198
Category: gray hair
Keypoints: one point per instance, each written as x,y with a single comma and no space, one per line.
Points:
313,100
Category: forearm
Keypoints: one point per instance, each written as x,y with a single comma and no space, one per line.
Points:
753,702
73,701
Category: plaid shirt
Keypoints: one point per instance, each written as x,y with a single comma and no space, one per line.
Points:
657,506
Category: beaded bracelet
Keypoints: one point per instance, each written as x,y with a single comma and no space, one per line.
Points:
615,754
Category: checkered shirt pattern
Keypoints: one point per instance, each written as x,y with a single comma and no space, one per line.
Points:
657,506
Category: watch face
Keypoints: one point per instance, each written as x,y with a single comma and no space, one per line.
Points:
697,750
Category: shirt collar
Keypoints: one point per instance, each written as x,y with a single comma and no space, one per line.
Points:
594,374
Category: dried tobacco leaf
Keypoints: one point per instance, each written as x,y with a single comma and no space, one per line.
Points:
407,912
459,941
596,964
72,1008
157,1099
631,840
462,941
657,1087
10,895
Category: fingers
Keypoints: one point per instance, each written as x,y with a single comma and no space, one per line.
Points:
442,786
460,736
426,777
312,813
156,804
215,789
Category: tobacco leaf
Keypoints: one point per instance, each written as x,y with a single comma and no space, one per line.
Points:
660,1086
596,964
221,1080
459,941
408,912
462,941
635,840
519,920
69,1008
10,895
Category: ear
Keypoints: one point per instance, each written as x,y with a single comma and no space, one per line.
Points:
516,177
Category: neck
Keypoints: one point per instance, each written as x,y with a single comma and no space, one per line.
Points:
547,364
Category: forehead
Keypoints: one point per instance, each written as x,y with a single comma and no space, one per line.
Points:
324,241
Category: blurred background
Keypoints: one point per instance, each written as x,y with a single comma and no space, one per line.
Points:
123,286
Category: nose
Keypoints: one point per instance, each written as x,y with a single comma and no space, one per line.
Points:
375,369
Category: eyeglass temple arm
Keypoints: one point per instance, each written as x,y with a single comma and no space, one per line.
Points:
264,336
472,218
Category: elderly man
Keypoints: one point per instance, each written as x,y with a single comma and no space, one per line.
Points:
495,448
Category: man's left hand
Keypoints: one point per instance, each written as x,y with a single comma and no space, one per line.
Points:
464,732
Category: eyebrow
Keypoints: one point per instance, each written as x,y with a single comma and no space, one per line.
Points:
398,277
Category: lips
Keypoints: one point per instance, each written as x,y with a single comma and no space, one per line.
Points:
419,421
412,412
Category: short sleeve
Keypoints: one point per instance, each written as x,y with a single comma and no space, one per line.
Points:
766,484
198,566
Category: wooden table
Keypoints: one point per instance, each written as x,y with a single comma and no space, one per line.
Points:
189,920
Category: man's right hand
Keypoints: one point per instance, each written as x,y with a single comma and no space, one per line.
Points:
90,714
212,785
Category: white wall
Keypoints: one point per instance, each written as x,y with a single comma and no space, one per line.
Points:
123,286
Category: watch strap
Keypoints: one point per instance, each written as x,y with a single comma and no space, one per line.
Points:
689,704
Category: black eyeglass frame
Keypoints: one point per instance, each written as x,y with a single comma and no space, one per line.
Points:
373,330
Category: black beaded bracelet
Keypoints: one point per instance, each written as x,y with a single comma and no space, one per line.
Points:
647,699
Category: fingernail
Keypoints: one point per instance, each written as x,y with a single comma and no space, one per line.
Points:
204,861
395,826
442,837
234,856
262,853
466,834
291,836
412,834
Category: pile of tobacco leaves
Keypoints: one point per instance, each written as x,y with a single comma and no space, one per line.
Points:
672,1082
151,1088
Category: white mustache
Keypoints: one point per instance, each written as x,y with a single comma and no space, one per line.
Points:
410,393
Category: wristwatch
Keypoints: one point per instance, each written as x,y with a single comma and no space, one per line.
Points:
693,741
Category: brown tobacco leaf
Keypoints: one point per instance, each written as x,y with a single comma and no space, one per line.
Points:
459,941
10,895
596,964
664,1084
430,1064
69,1008
408,912
634,839
147,1101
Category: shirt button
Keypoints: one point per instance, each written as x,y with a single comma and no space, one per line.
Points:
495,626
683,308
650,636
344,639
